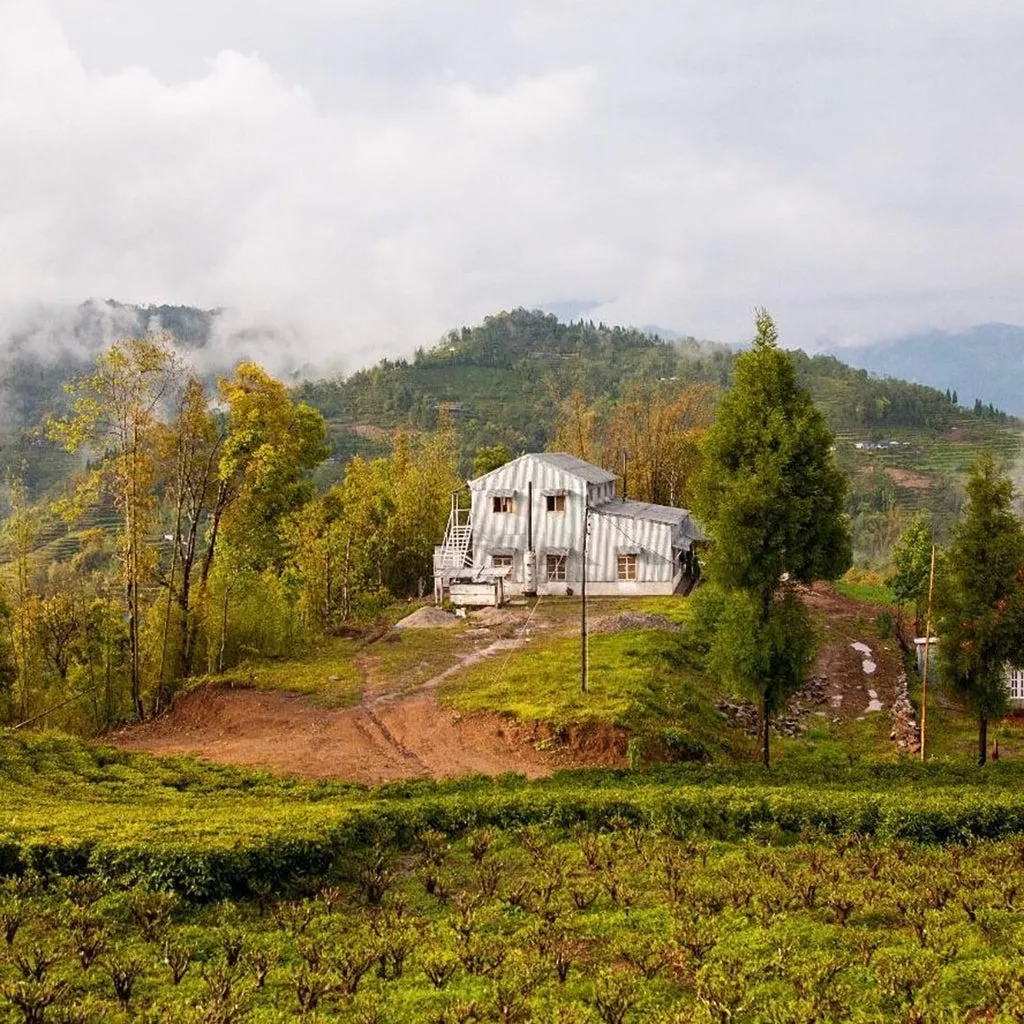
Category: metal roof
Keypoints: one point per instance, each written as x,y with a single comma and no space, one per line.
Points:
655,513
562,461
577,467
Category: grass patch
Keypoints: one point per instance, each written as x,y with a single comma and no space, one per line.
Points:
865,585
638,679
326,673
406,658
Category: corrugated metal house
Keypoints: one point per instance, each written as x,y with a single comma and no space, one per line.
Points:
525,527
1014,674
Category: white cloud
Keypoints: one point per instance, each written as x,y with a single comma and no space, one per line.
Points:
371,173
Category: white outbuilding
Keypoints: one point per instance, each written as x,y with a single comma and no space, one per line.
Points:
523,533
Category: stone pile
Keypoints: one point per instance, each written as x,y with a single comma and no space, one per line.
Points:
813,694
905,732
748,717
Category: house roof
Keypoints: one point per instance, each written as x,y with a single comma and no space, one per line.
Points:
565,462
577,467
655,513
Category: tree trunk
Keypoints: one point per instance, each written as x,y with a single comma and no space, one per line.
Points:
765,734
982,739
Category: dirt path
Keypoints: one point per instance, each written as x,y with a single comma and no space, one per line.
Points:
391,734
858,672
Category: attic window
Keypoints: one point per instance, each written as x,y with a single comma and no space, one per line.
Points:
501,503
555,502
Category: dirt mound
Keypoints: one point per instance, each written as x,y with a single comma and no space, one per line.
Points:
385,738
498,617
632,620
428,618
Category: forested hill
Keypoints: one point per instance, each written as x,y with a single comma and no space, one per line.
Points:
504,379
984,363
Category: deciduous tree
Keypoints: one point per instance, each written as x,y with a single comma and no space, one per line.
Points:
116,413
911,556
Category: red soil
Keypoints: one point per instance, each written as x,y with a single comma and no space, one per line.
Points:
382,739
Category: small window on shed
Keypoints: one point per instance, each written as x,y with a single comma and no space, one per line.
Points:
501,561
627,567
556,502
501,503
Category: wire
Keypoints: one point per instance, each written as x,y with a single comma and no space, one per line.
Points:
504,664
637,544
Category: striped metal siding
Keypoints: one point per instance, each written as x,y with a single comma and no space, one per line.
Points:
504,531
610,534
496,531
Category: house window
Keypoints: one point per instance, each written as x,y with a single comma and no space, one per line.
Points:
556,502
555,566
1016,683
627,567
501,503
501,561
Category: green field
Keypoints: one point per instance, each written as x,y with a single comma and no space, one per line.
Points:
825,890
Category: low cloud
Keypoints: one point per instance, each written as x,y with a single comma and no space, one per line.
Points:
350,180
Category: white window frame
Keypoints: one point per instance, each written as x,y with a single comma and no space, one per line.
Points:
557,573
502,561
1015,683
626,568
555,502
501,504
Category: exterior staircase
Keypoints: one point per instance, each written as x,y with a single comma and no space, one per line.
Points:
456,553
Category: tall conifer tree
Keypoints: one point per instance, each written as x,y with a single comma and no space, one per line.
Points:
771,497
981,597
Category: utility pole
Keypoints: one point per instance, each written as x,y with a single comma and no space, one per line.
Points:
583,603
927,649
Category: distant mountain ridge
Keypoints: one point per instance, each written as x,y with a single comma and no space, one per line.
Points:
985,362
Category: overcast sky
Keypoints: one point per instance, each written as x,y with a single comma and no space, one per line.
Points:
375,171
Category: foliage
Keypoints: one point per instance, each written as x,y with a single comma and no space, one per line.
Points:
116,410
771,497
911,558
489,458
981,597
875,892
763,657
651,436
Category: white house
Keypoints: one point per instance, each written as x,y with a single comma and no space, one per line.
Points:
523,532
1014,676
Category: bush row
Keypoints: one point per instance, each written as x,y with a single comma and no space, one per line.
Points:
279,861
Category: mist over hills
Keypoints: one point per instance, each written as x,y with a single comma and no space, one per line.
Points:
985,362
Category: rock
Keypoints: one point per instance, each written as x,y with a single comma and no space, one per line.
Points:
905,732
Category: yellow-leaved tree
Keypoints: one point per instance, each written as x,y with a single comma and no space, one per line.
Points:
115,414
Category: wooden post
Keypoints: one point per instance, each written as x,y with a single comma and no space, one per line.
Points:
927,650
583,605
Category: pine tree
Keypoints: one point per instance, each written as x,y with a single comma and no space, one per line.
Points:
771,497
981,597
